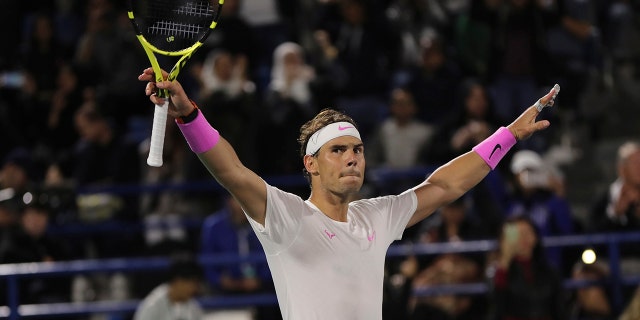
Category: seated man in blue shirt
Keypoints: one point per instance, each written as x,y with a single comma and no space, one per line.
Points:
227,231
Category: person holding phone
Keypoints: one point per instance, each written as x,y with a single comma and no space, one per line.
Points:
524,285
536,194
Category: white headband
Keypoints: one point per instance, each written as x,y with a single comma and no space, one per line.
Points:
331,131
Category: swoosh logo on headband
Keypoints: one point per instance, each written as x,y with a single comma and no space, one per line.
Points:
341,128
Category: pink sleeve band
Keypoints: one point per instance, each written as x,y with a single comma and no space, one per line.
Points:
495,147
200,135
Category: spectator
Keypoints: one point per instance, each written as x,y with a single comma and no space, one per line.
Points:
269,22
15,179
453,223
472,41
591,303
68,25
524,285
447,269
534,196
472,120
433,80
330,75
411,17
68,96
620,34
288,103
618,208
21,116
8,211
518,53
175,298
231,96
366,50
42,55
105,46
632,311
18,171
103,157
237,37
399,139
228,232
574,44
28,242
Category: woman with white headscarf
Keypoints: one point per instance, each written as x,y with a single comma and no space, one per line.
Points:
288,103
221,72
228,96
290,82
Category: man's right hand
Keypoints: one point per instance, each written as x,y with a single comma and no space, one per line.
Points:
179,103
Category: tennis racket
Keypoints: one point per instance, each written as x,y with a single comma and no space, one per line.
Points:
170,29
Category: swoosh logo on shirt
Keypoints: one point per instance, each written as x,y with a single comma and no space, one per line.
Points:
344,128
371,237
329,234
497,147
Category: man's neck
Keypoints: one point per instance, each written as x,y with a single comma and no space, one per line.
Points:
332,206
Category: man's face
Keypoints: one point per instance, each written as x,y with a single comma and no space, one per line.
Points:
223,67
340,165
185,289
88,130
476,102
402,105
13,176
527,239
35,221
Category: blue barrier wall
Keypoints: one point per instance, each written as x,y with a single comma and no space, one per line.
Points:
11,274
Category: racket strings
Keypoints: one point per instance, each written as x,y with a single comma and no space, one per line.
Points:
175,26
198,9
170,28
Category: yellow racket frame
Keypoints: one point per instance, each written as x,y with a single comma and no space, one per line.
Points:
186,53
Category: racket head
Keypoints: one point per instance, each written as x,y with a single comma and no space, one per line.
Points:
174,27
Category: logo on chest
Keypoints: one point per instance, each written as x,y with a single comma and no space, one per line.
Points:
329,234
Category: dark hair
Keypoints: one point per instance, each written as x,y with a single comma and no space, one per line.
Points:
464,91
20,157
538,256
185,268
90,113
322,119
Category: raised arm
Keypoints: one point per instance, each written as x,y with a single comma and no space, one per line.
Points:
459,175
214,151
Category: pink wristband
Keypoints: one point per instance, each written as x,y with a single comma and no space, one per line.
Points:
200,135
494,148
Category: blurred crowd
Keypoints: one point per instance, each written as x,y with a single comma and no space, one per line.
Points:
425,79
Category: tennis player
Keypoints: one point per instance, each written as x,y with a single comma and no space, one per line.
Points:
327,253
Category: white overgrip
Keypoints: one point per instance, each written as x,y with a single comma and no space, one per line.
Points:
157,134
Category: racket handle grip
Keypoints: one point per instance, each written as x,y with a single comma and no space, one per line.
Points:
157,134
